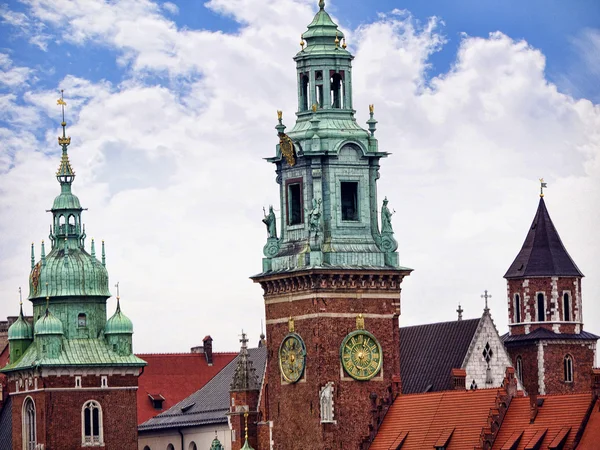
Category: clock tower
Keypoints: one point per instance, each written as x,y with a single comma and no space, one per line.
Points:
332,278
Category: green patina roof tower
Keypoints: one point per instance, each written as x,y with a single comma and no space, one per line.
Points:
327,168
68,289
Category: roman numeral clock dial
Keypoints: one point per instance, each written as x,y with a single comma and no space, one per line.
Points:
361,354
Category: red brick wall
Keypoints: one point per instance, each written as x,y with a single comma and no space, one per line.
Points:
58,413
543,284
528,354
583,361
294,408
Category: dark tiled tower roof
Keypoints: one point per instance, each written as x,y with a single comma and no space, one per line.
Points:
543,253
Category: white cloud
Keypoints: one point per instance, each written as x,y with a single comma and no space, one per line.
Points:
171,8
12,76
175,183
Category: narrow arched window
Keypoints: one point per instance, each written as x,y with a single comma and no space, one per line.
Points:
517,308
568,366
337,91
91,424
520,368
29,425
146,447
541,312
304,92
170,447
193,446
566,307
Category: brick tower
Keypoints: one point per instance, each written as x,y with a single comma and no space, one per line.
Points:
331,280
73,377
549,349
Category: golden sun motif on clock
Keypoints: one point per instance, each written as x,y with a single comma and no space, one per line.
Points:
292,358
361,355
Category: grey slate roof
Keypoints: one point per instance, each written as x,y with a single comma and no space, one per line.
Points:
542,333
429,352
6,425
209,404
543,253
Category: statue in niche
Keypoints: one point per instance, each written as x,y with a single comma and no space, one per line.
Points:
314,216
270,221
386,218
326,402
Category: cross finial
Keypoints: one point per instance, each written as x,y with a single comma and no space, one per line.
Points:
543,185
244,339
20,297
486,296
117,286
459,311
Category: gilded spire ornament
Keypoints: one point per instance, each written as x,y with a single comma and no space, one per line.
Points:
302,43
321,4
291,327
337,40
360,322
344,43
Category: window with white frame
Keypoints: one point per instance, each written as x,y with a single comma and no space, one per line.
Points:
541,308
520,368
567,307
104,381
568,366
29,425
77,382
91,424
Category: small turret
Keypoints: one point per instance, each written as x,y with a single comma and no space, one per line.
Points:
20,335
48,331
119,330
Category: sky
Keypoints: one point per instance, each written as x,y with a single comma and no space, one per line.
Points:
171,107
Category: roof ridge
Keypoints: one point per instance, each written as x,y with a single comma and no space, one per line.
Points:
439,323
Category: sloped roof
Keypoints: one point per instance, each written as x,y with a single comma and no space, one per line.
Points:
426,418
77,352
543,253
557,412
591,435
429,352
209,404
542,333
175,376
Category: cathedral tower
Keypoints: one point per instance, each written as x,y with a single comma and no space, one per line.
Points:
549,349
73,381
331,280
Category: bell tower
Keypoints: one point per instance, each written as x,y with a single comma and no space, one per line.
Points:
550,351
331,279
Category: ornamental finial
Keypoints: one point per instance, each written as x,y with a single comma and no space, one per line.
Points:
20,297
321,4
291,327
360,322
246,425
64,140
337,40
344,43
302,43
543,185
460,311
486,296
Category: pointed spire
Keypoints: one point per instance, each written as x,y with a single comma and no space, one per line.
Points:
118,298
93,251
103,255
543,253
20,302
65,173
247,445
43,253
32,256
245,378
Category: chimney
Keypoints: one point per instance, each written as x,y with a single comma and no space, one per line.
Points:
459,377
533,407
510,382
596,383
208,350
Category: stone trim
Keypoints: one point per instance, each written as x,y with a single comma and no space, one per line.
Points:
330,315
119,388
287,298
541,370
339,280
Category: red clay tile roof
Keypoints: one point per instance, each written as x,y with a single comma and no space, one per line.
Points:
426,417
557,412
591,435
175,376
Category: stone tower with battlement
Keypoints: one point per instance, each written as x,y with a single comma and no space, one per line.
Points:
550,351
331,278
73,375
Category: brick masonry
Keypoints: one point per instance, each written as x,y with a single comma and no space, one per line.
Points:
325,311
64,407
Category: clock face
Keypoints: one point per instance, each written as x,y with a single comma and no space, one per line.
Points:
292,357
361,355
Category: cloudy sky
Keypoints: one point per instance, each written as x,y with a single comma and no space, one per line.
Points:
172,108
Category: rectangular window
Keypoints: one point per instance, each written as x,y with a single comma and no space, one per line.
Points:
567,307
541,310
349,200
104,381
294,203
77,382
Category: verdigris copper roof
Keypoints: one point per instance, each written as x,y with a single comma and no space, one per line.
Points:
543,253
20,329
210,404
48,324
76,352
119,323
429,352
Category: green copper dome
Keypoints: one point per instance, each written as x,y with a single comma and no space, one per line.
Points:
21,329
119,323
216,444
48,324
66,200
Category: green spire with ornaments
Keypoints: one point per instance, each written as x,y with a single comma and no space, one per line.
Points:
69,289
327,167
